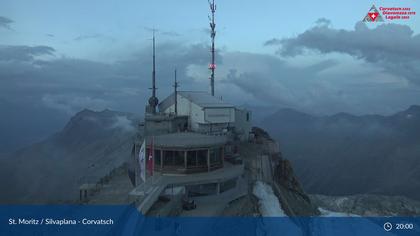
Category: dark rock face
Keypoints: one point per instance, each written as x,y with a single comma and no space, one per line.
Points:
260,134
295,201
285,176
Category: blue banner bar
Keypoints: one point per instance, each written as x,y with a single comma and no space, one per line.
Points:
126,220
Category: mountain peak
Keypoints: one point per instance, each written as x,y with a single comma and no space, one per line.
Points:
89,112
85,111
414,108
86,120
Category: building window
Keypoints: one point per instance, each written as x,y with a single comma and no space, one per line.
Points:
191,158
179,158
202,157
173,158
168,158
247,116
212,156
157,157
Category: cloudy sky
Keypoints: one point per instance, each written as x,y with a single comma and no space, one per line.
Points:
58,57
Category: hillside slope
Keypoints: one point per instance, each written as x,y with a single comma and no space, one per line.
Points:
89,146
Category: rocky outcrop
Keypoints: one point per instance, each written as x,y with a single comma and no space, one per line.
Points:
294,199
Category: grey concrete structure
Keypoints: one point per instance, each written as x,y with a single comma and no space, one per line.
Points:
164,124
227,183
242,125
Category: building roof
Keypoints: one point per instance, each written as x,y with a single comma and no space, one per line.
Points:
201,98
187,140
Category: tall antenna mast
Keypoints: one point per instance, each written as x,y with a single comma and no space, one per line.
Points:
154,67
212,65
176,85
153,100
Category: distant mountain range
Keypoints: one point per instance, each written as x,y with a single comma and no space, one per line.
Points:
344,154
89,146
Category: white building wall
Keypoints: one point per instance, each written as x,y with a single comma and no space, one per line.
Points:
199,115
219,115
190,109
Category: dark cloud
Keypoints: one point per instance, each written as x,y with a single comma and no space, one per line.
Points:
70,84
273,82
55,88
323,86
392,46
62,85
23,53
273,41
5,22
323,21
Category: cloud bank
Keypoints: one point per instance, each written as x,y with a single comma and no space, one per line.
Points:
322,70
5,22
394,47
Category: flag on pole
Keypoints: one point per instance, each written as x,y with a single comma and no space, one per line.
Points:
150,159
142,160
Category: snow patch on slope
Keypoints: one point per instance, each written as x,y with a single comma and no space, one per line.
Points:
269,203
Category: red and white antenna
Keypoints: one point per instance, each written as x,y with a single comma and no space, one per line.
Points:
212,65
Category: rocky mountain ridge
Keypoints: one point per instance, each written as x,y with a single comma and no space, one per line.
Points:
344,154
89,146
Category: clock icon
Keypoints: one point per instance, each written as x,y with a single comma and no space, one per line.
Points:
387,226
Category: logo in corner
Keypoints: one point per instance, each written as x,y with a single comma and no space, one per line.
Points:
373,15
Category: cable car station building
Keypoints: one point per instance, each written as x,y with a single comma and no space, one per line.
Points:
190,137
191,134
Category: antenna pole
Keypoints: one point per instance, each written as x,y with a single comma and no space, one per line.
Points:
153,100
212,65
154,67
176,85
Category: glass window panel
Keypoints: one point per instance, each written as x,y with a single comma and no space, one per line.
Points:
157,157
179,158
168,157
202,157
192,158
